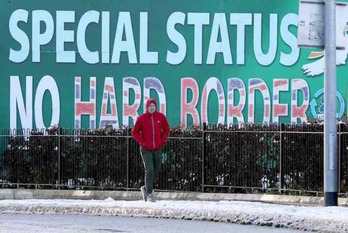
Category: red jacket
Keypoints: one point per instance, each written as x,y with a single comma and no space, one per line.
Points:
151,130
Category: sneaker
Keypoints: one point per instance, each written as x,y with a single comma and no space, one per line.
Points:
151,197
143,193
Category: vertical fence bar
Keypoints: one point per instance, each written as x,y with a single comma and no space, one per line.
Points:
128,149
339,157
59,156
281,158
4,135
203,155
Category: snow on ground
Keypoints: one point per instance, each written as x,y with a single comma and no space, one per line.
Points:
330,219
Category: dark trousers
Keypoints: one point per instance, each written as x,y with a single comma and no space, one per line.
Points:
152,163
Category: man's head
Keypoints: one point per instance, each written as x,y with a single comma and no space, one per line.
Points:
151,106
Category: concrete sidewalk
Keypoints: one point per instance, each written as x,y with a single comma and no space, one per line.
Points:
135,195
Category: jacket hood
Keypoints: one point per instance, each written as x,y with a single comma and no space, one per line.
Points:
148,102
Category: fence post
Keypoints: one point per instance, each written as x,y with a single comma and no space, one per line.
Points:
203,155
281,178
128,149
339,156
59,155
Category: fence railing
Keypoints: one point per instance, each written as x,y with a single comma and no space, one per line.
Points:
250,158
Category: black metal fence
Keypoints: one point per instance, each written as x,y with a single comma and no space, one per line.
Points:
250,158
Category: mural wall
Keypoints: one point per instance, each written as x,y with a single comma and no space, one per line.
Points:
92,63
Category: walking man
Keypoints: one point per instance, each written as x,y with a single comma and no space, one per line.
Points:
151,131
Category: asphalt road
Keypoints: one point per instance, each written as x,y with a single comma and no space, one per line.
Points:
15,223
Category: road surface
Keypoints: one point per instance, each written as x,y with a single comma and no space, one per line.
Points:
15,223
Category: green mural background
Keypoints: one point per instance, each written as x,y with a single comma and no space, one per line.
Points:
170,75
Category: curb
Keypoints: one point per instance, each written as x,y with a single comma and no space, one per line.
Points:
19,194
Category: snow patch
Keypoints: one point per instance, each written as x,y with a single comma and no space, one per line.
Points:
109,199
332,219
